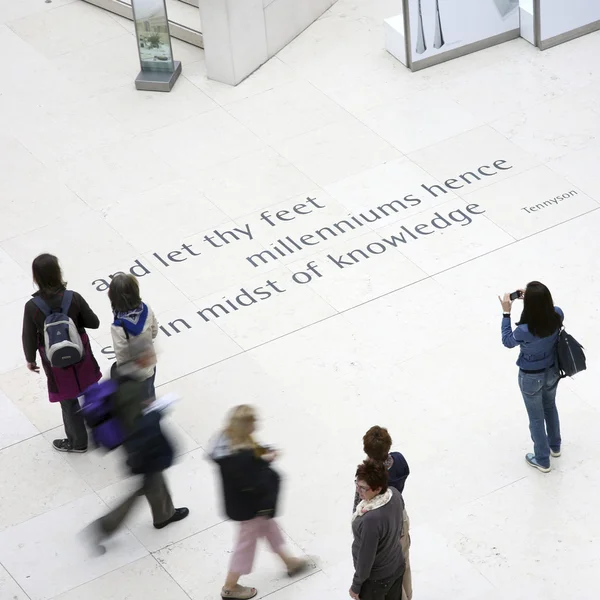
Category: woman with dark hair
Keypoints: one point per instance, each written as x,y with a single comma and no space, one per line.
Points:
132,319
66,384
377,443
377,528
537,336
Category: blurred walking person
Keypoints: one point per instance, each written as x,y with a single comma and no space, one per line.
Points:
148,451
251,490
54,324
377,529
132,319
377,443
536,335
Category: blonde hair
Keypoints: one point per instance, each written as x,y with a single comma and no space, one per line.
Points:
239,427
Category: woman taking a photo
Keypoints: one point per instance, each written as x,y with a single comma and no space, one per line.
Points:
377,528
250,488
65,384
537,336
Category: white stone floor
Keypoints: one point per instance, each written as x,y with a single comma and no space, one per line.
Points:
406,337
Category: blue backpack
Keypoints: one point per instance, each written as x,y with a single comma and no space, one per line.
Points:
62,341
97,410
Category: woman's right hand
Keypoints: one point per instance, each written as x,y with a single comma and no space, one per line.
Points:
32,366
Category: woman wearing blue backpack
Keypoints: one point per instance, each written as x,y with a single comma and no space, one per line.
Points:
54,325
536,335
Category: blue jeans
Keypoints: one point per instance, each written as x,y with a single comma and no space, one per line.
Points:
539,393
149,390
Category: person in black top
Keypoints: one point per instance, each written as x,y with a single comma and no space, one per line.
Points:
251,490
65,385
376,444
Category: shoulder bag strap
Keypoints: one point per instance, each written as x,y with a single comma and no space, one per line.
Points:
66,302
42,305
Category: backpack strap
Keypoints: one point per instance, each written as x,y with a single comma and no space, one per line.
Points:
66,302
42,305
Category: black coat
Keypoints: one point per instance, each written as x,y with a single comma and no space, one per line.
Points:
250,486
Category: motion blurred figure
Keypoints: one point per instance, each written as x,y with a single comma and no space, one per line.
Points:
250,489
148,451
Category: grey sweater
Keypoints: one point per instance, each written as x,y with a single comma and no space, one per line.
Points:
376,550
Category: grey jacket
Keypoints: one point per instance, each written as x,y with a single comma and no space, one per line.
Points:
376,550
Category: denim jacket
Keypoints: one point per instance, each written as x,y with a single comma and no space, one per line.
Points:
536,353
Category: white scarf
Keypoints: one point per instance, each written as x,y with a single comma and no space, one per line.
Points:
364,506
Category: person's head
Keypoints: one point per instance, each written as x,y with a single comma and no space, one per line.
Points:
241,425
371,479
377,443
47,274
539,313
124,292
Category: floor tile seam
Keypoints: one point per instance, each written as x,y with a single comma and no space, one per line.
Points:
568,179
14,580
31,437
164,570
312,129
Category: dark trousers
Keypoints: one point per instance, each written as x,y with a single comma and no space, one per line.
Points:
155,489
387,589
74,424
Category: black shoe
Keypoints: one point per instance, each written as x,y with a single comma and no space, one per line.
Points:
66,446
178,515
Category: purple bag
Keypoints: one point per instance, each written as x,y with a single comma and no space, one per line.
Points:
98,414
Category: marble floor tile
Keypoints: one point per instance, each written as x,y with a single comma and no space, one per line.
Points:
213,544
286,111
57,31
40,479
143,579
553,128
68,563
272,74
186,343
511,86
203,141
107,173
152,111
394,190
353,274
251,182
91,242
29,393
15,426
531,202
103,67
168,212
419,120
21,281
453,234
9,588
266,308
578,168
337,151
467,153
190,482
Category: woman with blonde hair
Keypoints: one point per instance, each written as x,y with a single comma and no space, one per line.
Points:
250,490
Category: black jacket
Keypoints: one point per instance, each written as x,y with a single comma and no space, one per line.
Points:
250,485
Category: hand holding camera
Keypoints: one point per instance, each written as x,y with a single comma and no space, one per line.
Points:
508,299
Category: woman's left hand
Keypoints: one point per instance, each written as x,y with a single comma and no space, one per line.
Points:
506,303
353,595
